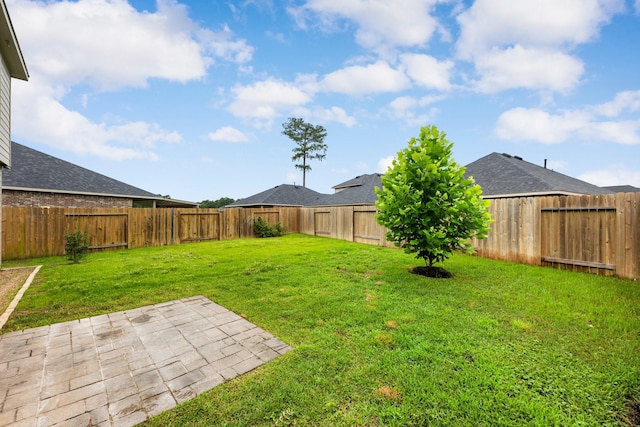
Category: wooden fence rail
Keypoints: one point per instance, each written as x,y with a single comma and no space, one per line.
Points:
598,233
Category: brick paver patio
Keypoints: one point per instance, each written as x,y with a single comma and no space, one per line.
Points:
118,369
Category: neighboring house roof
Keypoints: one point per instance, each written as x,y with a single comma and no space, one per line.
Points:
503,175
357,191
499,175
32,170
622,188
280,195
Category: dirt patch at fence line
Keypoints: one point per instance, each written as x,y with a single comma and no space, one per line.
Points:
11,280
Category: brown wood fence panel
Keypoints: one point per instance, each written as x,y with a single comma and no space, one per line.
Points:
579,233
151,227
272,217
231,223
585,233
106,229
32,232
352,223
306,221
628,235
343,223
365,227
198,225
515,232
322,223
592,233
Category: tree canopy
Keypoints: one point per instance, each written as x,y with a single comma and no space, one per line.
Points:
223,201
427,204
309,141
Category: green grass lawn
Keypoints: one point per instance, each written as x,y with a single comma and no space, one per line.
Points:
499,344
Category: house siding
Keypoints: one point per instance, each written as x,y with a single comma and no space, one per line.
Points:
5,115
0,216
5,129
29,199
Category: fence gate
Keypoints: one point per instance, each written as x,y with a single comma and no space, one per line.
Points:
198,226
579,237
105,230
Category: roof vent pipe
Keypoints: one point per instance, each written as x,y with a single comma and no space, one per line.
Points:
545,163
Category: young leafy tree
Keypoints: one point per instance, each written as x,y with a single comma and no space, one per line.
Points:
310,143
427,204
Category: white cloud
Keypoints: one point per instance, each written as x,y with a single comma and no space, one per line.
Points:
636,6
527,44
384,164
108,44
105,45
403,103
224,45
623,132
49,122
411,109
334,114
543,23
427,71
228,134
380,25
612,175
593,123
263,101
623,102
519,67
379,77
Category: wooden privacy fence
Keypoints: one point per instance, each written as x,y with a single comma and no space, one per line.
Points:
353,223
39,232
595,233
598,234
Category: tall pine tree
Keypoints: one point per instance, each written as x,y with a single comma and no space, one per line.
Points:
309,141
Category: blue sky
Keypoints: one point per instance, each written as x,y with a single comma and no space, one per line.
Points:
187,98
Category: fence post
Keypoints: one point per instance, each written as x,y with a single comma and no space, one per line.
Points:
172,226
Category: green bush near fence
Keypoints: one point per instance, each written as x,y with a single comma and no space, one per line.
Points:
76,245
262,228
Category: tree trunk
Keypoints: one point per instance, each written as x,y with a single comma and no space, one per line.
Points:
304,171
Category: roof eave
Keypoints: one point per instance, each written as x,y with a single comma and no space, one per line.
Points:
263,205
342,204
532,194
86,193
10,48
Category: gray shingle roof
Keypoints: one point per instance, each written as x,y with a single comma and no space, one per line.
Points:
622,188
502,174
357,191
34,170
497,174
280,195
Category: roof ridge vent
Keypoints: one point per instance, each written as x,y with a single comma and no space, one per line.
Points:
517,157
506,155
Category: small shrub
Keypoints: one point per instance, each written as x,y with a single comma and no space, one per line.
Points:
261,228
76,245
